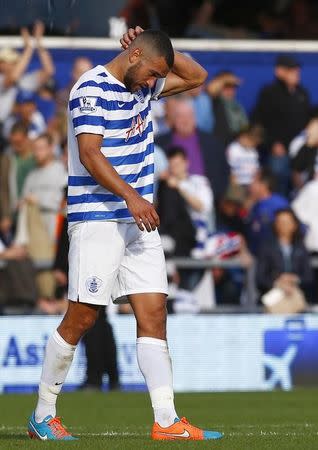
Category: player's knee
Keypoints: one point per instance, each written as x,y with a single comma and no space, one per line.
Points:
75,325
153,323
85,323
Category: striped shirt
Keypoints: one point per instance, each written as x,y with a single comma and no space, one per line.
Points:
101,104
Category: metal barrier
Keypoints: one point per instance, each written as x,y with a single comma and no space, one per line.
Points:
248,298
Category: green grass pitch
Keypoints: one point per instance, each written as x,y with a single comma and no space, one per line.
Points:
250,421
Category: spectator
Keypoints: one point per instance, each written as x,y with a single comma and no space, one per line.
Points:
42,195
202,24
242,156
137,11
205,153
13,67
230,212
302,20
17,277
279,164
15,164
305,152
305,206
45,100
265,204
196,191
44,186
80,66
175,220
230,117
283,106
203,109
195,194
163,114
26,112
185,135
284,263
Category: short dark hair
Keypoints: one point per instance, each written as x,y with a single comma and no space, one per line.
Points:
47,136
267,177
160,42
176,151
19,127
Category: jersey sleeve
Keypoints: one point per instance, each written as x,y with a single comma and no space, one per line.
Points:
157,88
88,110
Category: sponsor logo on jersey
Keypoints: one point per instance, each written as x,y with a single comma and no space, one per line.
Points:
137,125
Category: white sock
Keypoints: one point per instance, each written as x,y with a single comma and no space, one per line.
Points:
57,361
155,365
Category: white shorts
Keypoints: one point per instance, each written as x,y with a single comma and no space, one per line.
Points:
110,260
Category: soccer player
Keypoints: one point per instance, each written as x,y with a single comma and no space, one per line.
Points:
115,249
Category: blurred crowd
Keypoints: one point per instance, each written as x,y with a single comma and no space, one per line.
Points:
227,184
226,19
210,19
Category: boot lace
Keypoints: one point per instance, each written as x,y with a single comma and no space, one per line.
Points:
57,428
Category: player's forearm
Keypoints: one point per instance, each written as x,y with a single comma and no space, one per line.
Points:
105,175
189,70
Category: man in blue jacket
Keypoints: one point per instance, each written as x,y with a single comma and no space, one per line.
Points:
266,203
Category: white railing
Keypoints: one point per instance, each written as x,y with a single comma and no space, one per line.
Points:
238,45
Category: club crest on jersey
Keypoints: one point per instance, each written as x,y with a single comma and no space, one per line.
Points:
140,96
93,285
137,125
87,104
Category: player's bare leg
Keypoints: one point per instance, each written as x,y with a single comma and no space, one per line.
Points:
79,318
153,355
151,314
155,365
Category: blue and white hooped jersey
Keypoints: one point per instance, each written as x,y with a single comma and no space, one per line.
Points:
100,104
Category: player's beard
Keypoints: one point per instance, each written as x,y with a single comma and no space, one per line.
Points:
130,77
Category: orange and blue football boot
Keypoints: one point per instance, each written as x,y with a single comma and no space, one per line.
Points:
50,429
182,430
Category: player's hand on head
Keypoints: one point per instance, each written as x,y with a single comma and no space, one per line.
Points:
129,36
143,212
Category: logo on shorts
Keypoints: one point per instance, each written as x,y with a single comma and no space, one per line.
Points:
93,284
87,104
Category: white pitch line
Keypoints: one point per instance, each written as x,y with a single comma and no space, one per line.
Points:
114,433
226,434
271,433
267,425
78,431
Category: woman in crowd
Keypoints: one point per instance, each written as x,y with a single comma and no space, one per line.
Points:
284,264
